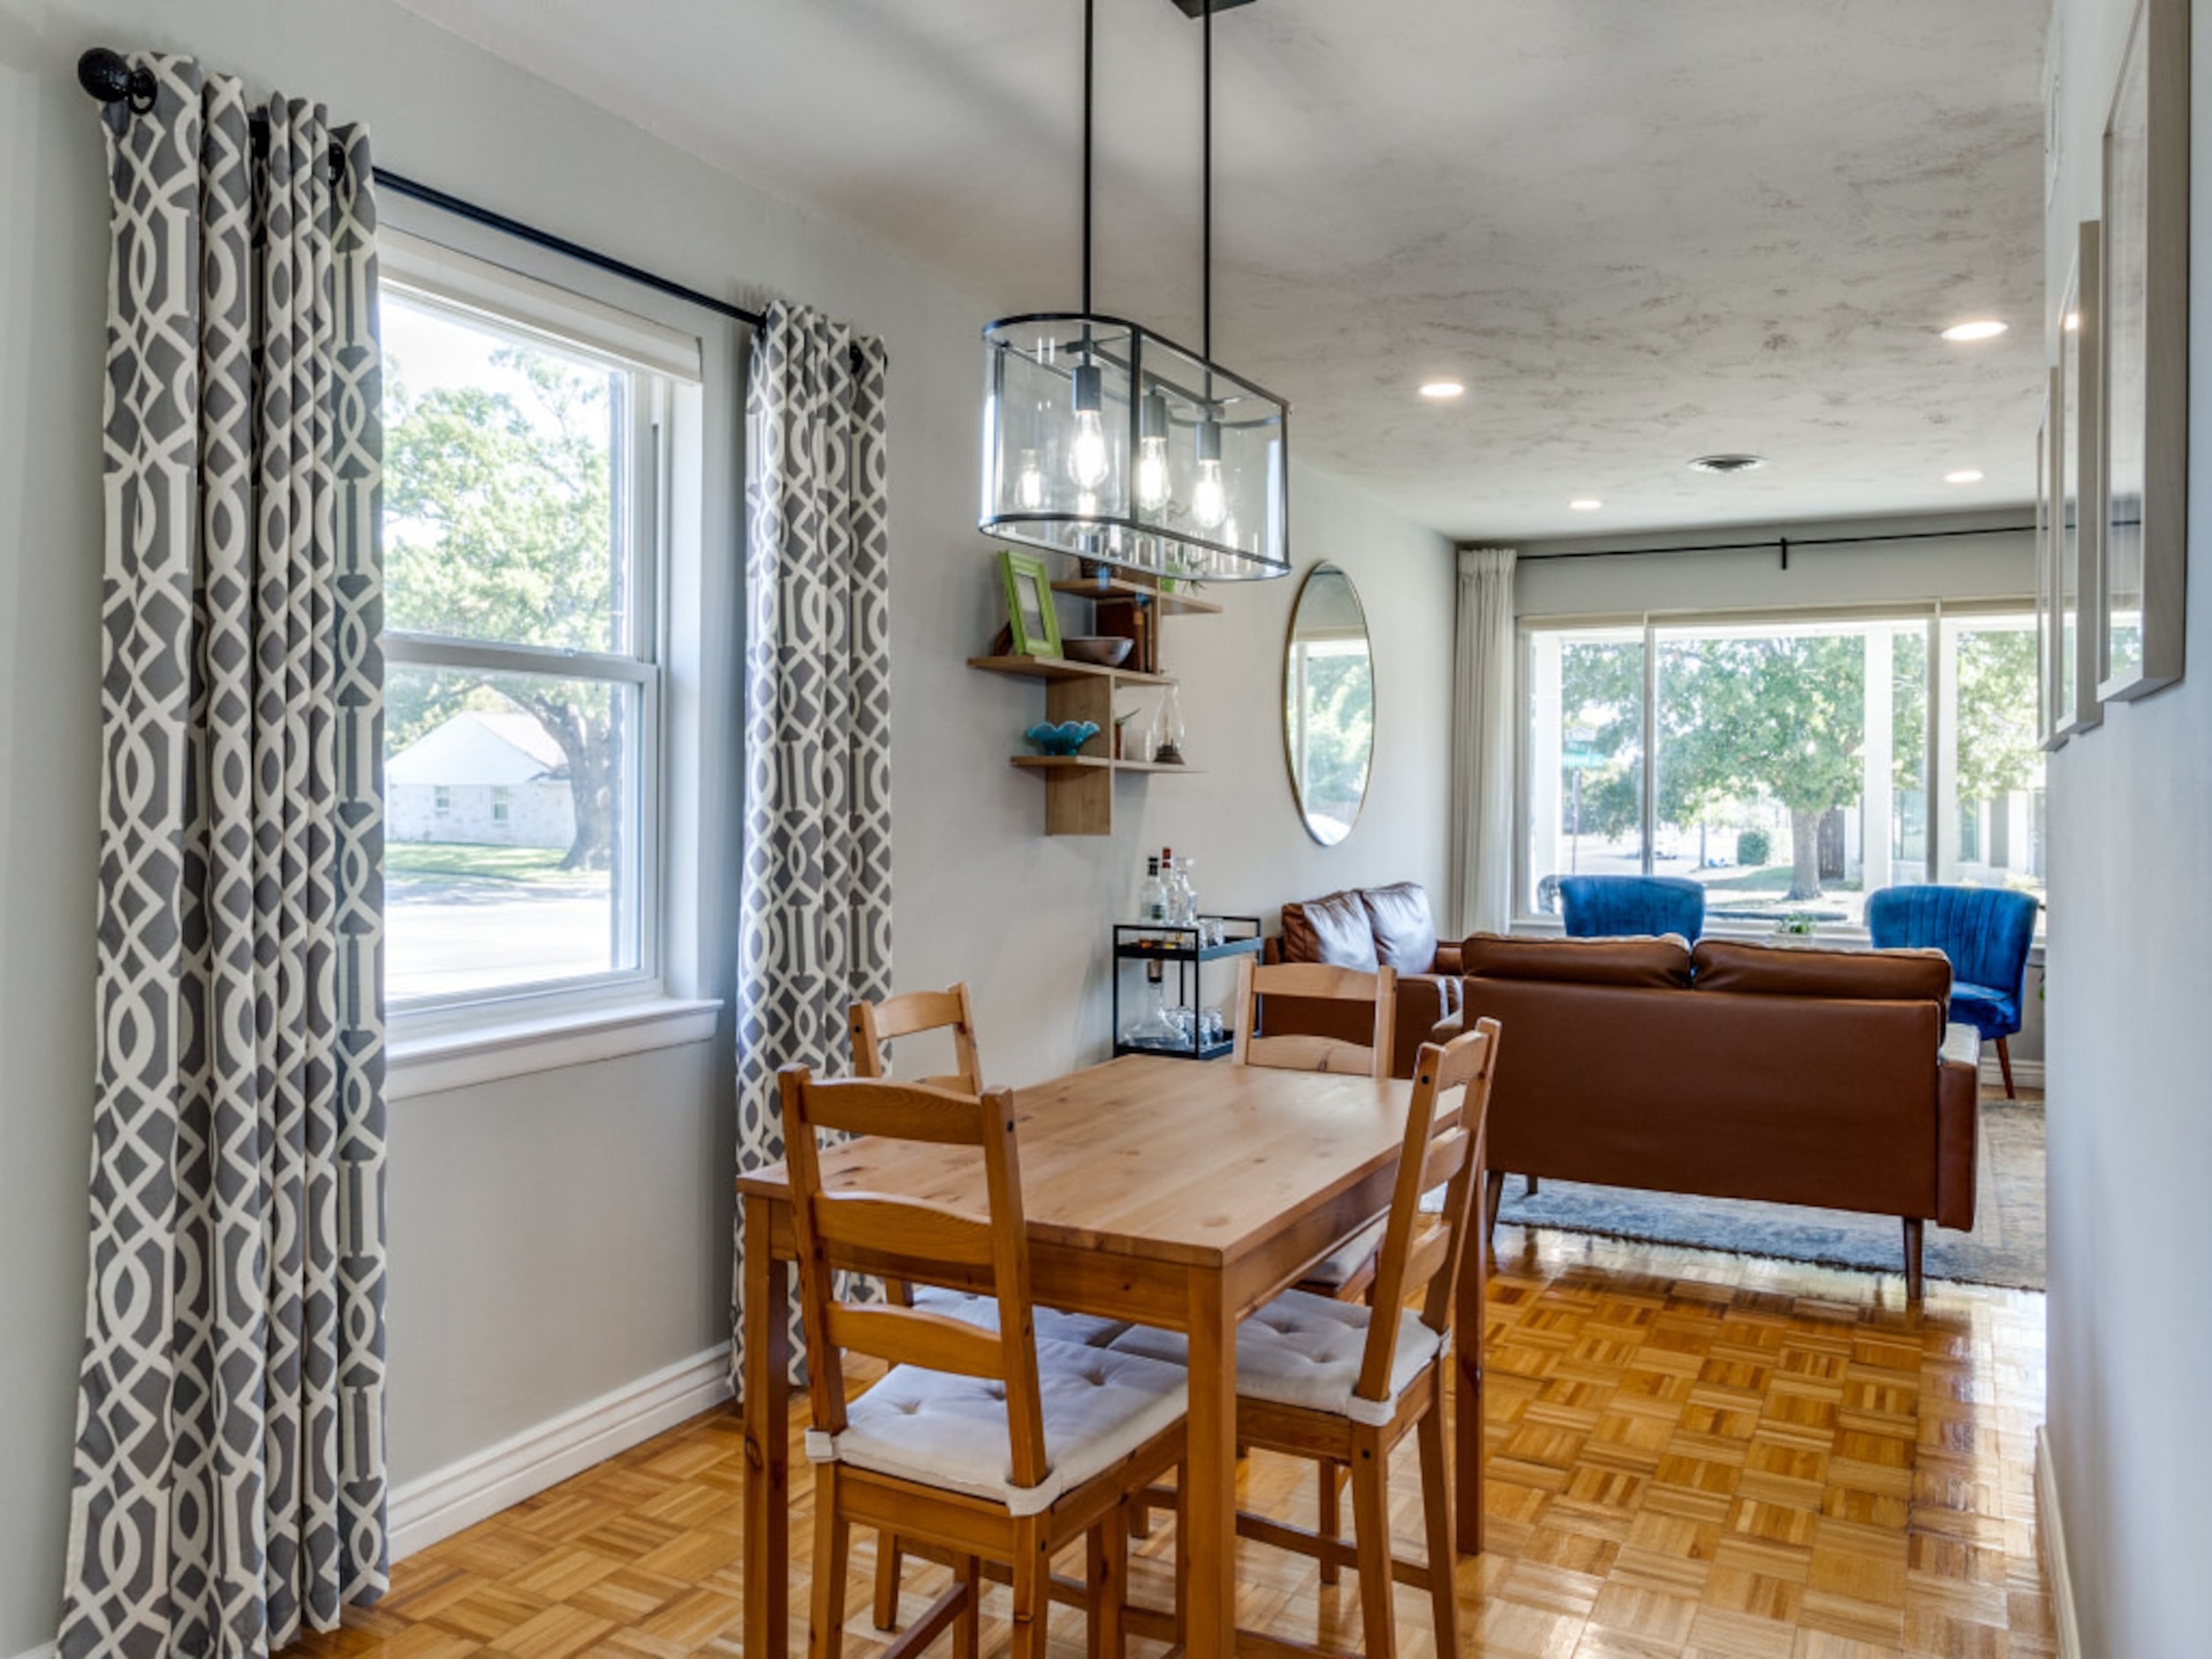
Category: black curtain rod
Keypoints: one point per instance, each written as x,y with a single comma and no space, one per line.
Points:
110,78
1784,543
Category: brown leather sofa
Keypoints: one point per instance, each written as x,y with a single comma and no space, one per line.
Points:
1364,929
1734,1071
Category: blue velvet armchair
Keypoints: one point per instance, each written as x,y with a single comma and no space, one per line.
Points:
1609,907
1985,931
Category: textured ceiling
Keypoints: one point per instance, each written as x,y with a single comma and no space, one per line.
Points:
1639,232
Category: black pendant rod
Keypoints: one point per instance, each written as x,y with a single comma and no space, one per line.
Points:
110,78
1206,203
1090,39
1782,544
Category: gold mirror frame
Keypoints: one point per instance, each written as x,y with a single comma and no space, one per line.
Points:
1290,744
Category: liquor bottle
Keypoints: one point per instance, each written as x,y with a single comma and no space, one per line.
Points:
1152,899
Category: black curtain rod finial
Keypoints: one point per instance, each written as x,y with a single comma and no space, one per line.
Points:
109,77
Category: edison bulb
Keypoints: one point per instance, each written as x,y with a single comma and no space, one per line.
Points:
1209,499
1152,473
1029,483
1088,458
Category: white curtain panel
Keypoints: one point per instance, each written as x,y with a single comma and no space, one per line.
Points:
229,1485
815,928
1484,748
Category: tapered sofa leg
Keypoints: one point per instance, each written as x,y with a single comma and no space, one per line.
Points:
1493,1189
1915,1235
2004,1065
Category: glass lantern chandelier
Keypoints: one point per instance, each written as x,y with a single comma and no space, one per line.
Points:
1107,442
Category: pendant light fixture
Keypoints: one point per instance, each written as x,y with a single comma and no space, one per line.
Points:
1105,440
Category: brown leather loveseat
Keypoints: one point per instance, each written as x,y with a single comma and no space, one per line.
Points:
1366,928
1737,1070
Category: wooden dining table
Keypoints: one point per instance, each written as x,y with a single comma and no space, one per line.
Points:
1157,1191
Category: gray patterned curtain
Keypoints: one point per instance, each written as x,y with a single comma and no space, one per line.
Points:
816,906
229,1485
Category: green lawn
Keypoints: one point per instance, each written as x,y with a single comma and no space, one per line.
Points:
479,863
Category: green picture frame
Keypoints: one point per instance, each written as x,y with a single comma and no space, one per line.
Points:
1030,614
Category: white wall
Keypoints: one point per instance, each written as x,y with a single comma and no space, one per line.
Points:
2131,1112
558,1234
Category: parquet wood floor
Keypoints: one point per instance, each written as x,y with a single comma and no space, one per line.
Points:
1690,1454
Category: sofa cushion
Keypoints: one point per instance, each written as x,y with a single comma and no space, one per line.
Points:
1405,933
1660,962
1335,929
1872,976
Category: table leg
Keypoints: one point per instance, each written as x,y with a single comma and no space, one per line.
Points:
766,1316
1468,1319
1209,1512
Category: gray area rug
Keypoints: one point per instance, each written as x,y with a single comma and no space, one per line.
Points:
2005,1248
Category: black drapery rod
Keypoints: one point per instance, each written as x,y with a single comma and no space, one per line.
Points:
110,78
1783,543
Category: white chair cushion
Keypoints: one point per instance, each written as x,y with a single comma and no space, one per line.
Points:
946,1431
1050,1324
1339,1266
1305,1350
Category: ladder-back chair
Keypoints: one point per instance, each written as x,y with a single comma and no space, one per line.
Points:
982,1442
1343,1384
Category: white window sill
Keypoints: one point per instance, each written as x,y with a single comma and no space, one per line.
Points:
432,1064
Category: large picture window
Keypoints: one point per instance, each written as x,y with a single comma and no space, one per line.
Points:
523,501
1791,765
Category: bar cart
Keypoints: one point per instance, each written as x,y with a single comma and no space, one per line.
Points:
1156,944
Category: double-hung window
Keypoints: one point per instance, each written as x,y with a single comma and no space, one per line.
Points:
1793,762
525,482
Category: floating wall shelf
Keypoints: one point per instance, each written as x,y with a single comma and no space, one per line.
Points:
1078,789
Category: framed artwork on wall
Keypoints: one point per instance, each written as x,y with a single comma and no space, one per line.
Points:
1030,615
2046,571
2077,532
2144,358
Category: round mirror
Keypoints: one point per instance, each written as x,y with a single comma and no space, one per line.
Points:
1329,704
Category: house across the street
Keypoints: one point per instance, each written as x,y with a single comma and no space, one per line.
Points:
490,779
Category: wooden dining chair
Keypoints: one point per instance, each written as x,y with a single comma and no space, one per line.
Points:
873,1024
1347,1272
984,1442
1343,1384
1314,982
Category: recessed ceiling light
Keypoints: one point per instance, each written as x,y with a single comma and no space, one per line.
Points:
1441,389
1982,328
1584,503
2072,325
1963,475
1727,466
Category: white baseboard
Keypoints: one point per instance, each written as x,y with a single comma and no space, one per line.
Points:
442,1503
2054,1531
2025,1073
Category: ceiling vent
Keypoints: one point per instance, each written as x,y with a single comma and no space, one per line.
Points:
1728,466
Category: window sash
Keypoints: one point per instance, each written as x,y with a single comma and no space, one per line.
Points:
653,358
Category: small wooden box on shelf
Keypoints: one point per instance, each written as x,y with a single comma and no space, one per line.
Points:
1078,797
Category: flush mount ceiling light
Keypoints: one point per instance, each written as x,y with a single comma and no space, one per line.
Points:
1584,503
1963,475
1982,328
1105,440
1728,466
1441,390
